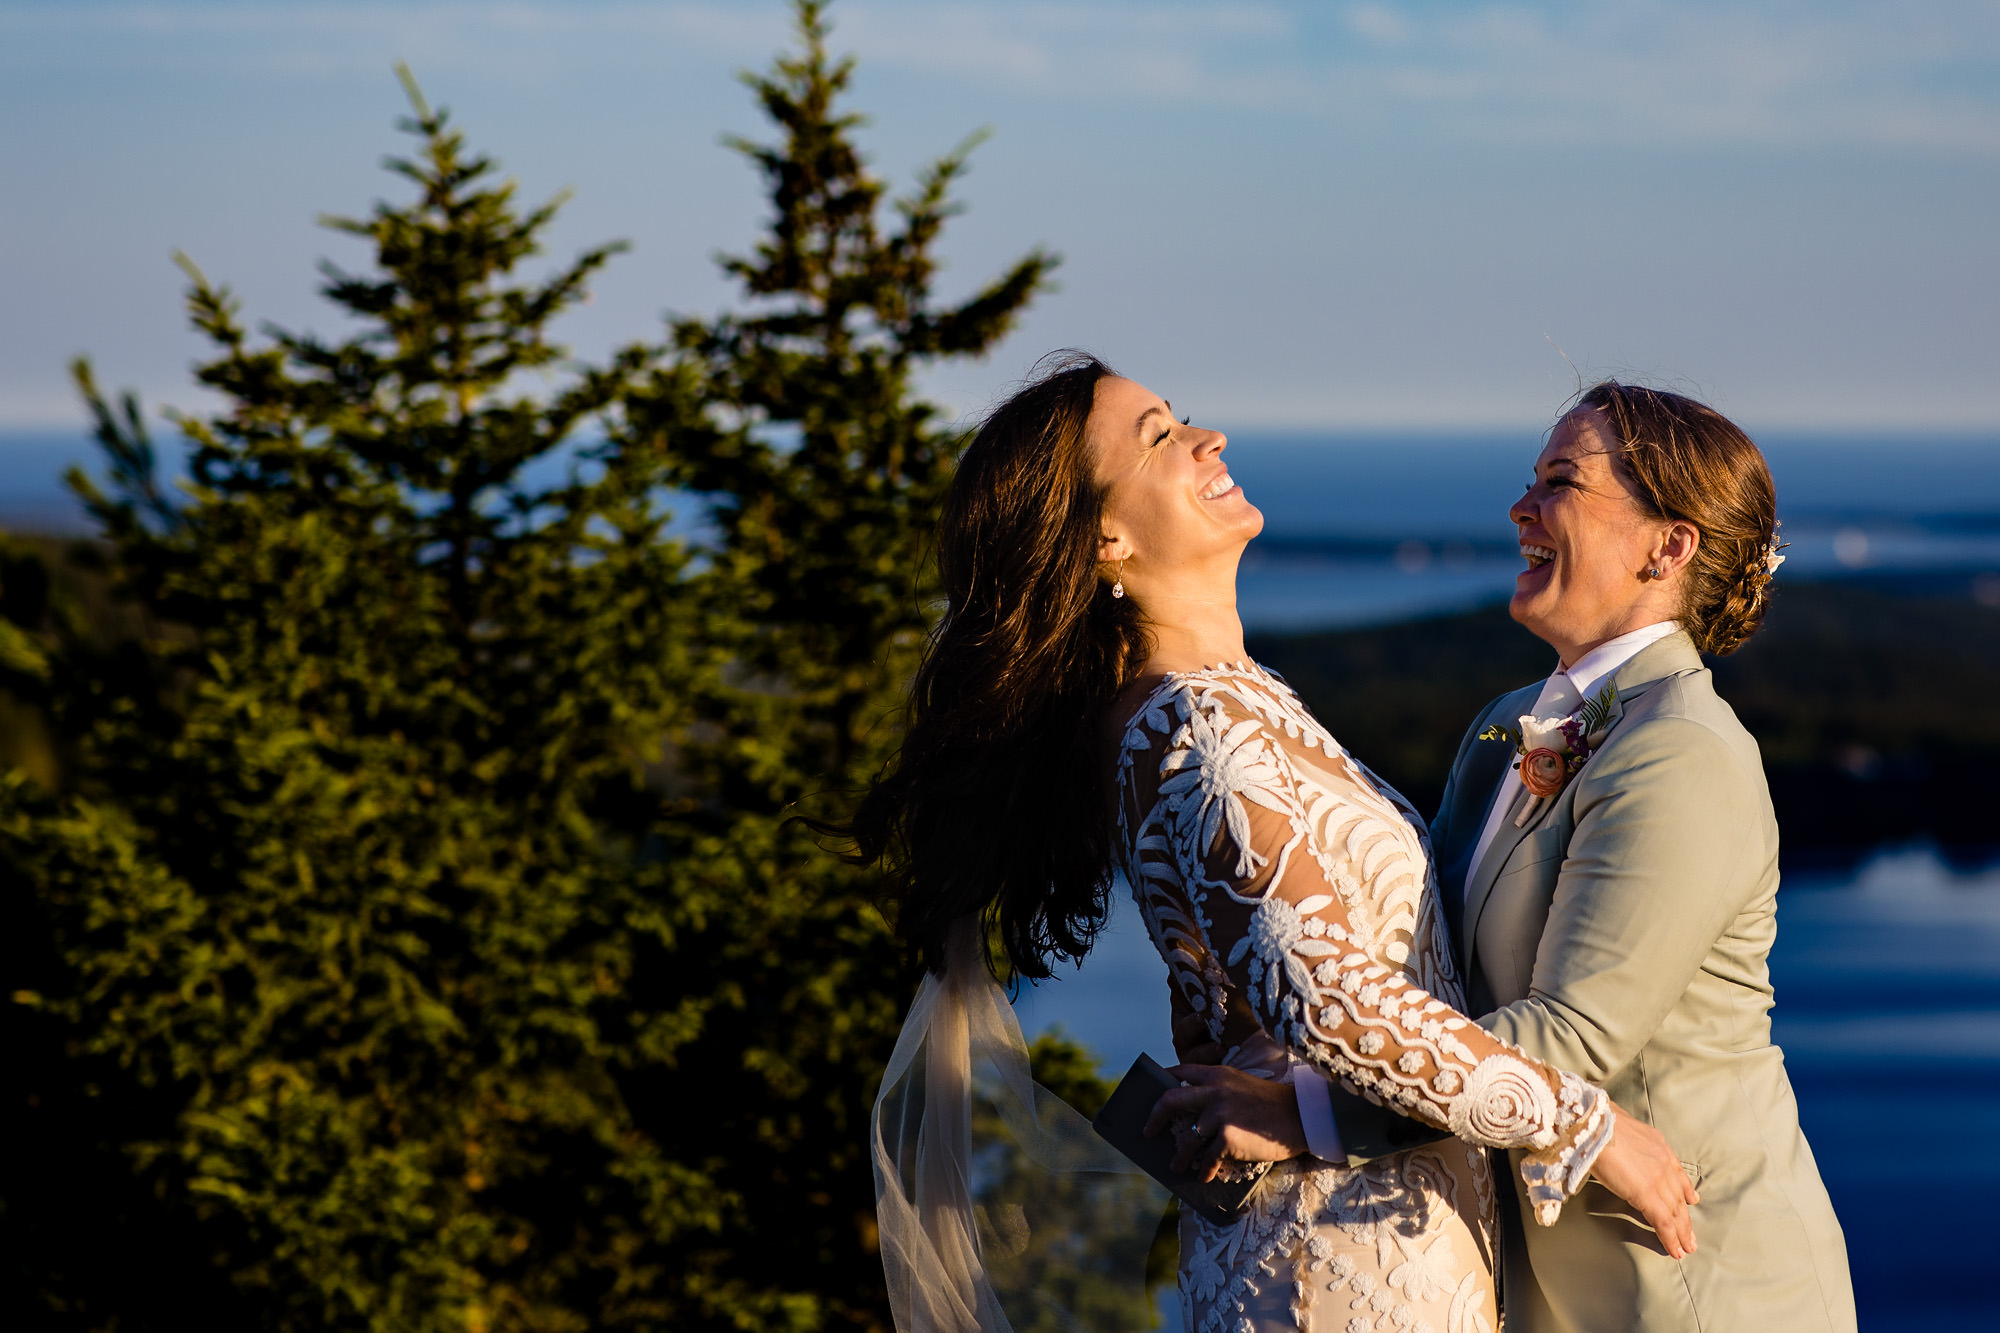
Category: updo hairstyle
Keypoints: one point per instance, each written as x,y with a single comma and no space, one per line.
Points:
998,804
1687,461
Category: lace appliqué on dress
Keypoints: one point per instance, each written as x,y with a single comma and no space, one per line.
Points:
1290,890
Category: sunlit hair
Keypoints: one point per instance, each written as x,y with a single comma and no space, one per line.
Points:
1687,461
999,801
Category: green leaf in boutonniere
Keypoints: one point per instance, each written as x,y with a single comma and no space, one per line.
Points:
1553,749
1595,716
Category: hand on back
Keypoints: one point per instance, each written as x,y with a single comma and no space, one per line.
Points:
1640,1167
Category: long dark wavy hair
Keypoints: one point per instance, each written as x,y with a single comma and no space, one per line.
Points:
998,803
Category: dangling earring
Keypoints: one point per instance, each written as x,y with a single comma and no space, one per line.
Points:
1118,584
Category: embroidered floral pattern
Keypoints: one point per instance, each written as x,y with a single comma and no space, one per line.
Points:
1285,886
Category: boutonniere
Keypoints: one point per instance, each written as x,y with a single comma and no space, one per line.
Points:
1550,750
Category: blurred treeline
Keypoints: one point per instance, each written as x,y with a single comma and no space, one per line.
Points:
404,921
1878,711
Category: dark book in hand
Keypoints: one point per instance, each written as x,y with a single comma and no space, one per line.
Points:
1121,1124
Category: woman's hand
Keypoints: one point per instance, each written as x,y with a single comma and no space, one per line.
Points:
1640,1167
1226,1113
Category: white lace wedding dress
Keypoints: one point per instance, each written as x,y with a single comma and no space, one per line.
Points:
1291,893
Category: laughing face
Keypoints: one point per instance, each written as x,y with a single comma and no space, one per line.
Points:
1170,504
1590,546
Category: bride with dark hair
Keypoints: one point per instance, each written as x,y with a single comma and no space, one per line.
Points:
1086,709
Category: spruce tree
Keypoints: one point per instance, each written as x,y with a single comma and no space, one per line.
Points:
825,469
419,934
341,881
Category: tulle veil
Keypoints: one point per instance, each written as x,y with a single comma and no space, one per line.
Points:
1000,1209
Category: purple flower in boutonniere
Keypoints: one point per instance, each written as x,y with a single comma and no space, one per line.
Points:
1550,750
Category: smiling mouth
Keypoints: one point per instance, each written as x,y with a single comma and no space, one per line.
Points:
1218,488
1536,556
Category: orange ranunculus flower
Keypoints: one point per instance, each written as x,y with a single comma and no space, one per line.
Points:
1544,771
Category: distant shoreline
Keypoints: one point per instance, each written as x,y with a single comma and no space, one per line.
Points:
1348,487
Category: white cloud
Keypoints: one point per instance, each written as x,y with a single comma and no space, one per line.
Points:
1379,23
331,35
1876,72
1865,72
1855,74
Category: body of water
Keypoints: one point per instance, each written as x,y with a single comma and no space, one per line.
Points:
1363,529
1368,528
1888,1011
1289,583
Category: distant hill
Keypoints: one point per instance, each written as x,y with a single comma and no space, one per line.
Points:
1878,713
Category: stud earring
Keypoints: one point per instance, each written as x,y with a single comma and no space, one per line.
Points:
1118,584
1653,572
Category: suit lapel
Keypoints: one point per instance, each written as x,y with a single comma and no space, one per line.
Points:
1671,656
1479,883
1473,787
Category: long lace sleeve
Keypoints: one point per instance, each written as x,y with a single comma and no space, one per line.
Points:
1231,828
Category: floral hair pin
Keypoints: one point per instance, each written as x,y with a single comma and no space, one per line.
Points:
1759,576
1551,750
1774,550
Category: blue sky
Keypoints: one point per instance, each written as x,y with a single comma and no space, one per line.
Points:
1311,215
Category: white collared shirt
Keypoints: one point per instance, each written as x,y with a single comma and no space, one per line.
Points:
1562,694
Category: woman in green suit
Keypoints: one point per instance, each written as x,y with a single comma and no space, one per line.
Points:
1608,863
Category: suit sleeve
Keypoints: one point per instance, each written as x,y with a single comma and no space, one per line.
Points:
1654,874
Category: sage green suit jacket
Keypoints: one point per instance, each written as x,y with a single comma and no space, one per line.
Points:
1623,934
